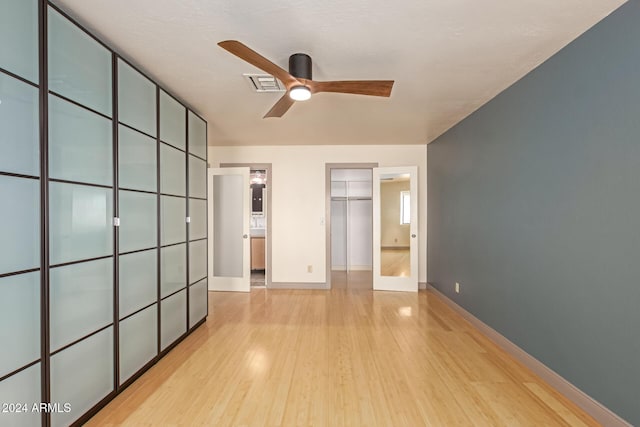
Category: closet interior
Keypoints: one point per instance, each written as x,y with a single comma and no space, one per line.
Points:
351,225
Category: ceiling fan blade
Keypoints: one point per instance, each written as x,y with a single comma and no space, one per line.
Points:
358,87
254,58
280,107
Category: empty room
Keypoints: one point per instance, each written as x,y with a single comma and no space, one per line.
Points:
298,213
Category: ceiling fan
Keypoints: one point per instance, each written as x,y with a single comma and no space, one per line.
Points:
298,80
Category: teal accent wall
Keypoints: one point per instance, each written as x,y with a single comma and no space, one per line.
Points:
534,207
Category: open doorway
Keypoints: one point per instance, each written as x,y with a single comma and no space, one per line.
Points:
258,180
260,221
349,225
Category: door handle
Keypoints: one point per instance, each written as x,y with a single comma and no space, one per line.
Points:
413,236
244,236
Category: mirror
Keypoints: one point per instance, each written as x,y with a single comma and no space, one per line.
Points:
395,223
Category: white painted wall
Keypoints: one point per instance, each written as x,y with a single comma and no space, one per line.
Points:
298,198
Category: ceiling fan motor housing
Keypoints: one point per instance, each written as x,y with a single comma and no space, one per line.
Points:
300,66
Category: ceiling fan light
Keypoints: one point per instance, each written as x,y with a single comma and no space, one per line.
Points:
300,93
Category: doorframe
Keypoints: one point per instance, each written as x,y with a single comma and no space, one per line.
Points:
327,205
267,167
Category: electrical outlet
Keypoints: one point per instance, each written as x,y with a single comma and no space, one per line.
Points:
457,288
309,268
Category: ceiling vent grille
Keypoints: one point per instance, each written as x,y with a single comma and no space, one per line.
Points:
264,83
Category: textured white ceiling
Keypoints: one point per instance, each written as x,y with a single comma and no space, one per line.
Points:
448,57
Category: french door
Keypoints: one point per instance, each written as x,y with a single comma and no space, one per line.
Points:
395,229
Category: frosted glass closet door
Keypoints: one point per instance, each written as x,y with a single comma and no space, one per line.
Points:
77,139
81,300
197,178
197,302
197,136
172,171
173,217
20,225
19,132
198,224
81,222
138,221
137,160
19,322
138,281
82,375
197,260
19,211
136,99
174,269
173,320
138,341
172,121
79,66
22,387
19,38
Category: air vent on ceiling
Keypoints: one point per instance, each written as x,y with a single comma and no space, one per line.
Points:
264,83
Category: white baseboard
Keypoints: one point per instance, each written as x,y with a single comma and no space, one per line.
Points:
591,406
422,285
293,285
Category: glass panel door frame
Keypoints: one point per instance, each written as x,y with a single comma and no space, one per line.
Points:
234,283
407,283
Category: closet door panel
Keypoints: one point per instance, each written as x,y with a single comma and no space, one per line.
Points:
137,160
136,99
82,375
138,341
197,302
174,269
138,221
22,387
19,133
173,322
173,216
138,281
19,321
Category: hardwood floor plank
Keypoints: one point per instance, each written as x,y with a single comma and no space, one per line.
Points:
345,357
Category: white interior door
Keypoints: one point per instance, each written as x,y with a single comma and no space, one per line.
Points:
229,243
395,229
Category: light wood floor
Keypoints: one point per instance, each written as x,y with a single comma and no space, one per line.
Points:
395,262
345,357
353,280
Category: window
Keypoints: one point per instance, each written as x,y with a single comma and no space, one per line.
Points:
405,207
